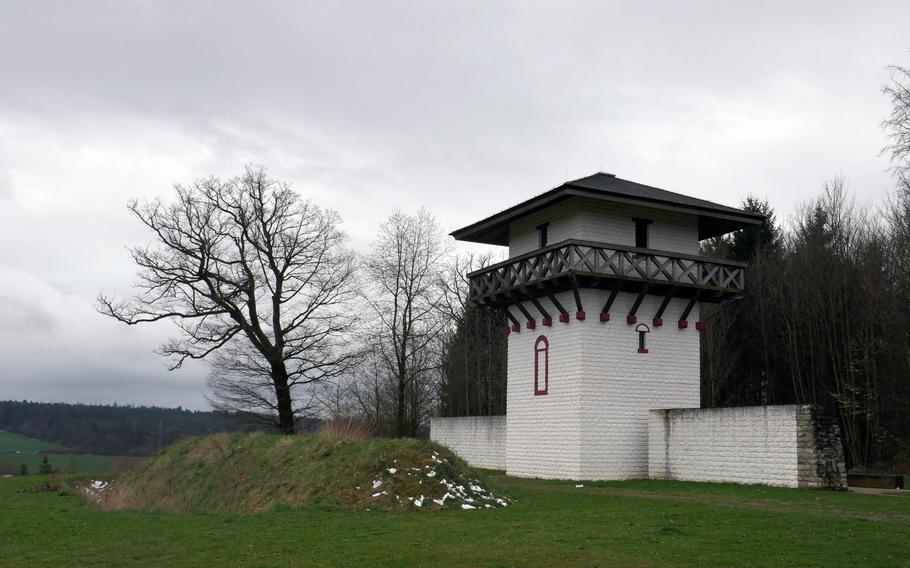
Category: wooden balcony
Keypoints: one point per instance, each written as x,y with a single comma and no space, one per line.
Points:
574,264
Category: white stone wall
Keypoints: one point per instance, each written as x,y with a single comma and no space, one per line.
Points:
622,385
564,223
602,221
479,440
755,444
544,432
593,424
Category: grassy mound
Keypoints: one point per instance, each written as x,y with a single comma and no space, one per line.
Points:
260,472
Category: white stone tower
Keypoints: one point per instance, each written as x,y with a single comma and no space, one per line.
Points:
602,289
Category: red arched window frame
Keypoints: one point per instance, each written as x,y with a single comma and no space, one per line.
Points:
541,366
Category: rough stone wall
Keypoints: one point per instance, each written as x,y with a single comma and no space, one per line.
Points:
820,455
787,445
479,440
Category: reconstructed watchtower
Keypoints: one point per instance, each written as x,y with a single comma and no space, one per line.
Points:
602,290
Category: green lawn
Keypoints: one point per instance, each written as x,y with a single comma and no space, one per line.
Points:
28,453
637,523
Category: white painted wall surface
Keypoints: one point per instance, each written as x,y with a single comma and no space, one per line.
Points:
543,433
601,221
593,424
756,444
479,440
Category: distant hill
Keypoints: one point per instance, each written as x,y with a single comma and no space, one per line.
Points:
17,451
112,430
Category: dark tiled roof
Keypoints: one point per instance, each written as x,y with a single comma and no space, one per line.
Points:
713,219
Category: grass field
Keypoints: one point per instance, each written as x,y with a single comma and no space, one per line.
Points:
29,449
636,523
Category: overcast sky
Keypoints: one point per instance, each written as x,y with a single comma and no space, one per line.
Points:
465,108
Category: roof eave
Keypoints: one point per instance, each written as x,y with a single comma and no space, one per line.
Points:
494,229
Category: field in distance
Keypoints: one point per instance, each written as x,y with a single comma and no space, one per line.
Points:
16,451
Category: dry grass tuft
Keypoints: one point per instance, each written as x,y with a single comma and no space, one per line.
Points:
347,428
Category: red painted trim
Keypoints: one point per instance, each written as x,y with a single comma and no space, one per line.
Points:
516,328
547,321
658,322
700,326
531,324
631,320
564,318
545,350
642,350
580,315
604,316
506,330
682,324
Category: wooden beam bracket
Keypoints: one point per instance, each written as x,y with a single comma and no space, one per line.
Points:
632,318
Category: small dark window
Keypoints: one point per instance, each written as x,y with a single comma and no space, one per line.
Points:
542,235
641,232
643,332
541,365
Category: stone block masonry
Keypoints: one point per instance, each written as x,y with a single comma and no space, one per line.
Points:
479,440
788,446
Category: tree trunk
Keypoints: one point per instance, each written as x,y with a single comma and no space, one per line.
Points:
400,424
283,398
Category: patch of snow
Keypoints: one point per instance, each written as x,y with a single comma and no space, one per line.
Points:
466,506
579,486
392,470
419,502
380,493
432,473
377,483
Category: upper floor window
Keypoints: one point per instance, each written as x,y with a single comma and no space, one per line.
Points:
542,235
641,232
541,365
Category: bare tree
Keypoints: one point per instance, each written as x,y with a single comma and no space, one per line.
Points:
897,125
256,276
405,295
473,350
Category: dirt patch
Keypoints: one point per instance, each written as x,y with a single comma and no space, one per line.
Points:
43,487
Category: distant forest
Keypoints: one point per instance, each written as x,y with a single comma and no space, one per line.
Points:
113,430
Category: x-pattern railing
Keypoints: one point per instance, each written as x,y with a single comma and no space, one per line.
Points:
610,261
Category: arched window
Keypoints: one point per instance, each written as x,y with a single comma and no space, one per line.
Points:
643,331
541,365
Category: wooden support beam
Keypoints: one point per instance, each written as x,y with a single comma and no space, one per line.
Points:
605,312
557,304
684,317
546,319
580,310
526,314
632,318
658,317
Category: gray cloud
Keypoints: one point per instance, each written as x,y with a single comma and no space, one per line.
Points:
367,107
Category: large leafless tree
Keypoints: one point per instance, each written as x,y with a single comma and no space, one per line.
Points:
254,277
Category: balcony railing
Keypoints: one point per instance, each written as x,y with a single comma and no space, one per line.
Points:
574,263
